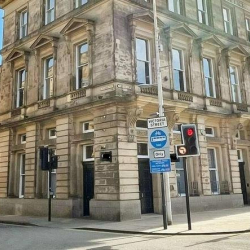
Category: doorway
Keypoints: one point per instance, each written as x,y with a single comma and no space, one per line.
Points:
88,186
145,186
243,182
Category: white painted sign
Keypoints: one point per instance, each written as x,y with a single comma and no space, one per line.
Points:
159,122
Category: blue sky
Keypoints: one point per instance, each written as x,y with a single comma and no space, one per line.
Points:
1,32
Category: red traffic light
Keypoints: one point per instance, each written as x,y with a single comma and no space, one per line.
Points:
190,131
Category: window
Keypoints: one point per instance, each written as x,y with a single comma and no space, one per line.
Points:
214,178
174,6
240,135
88,153
143,61
20,83
236,95
180,177
142,150
209,131
21,161
49,11
178,68
52,133
209,78
80,2
47,91
240,155
82,66
23,139
88,127
177,129
142,124
202,11
248,28
23,28
227,21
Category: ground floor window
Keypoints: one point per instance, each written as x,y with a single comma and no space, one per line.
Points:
21,163
213,171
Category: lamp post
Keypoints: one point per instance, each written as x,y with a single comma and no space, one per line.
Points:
166,198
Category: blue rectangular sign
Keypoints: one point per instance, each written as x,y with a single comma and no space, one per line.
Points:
160,166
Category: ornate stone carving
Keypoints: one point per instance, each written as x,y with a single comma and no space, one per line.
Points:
133,114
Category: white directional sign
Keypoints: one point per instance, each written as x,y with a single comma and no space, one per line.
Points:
158,145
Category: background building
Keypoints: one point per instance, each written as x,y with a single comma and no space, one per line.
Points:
79,76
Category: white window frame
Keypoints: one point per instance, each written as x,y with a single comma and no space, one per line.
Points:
142,156
228,21
49,133
174,6
22,25
84,147
216,171
237,84
77,86
21,175
148,61
47,11
182,69
241,155
211,69
248,28
212,134
202,12
20,87
22,141
47,78
81,2
88,130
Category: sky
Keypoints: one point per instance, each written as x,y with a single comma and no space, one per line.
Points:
1,32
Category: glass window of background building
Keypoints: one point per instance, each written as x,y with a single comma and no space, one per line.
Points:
23,29
82,66
209,78
202,11
143,61
248,28
48,78
228,27
178,68
21,161
214,177
175,6
236,95
20,83
80,2
49,11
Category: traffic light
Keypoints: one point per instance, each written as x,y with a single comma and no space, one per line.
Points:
44,158
190,140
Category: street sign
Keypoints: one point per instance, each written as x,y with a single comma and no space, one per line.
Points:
159,122
158,145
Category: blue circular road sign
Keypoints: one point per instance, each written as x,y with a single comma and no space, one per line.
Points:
158,139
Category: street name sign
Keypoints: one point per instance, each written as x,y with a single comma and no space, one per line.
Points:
158,145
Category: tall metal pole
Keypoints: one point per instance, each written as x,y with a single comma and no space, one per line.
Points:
187,194
166,204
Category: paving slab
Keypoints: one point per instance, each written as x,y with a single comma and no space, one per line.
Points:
208,222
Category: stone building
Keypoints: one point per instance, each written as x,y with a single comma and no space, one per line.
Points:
78,76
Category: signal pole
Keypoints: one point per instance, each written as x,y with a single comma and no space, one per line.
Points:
166,203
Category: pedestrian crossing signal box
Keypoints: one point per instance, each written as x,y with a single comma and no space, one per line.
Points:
190,146
106,156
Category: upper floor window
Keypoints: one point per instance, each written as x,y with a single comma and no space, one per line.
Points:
23,138
234,79
80,2
47,91
227,17
143,61
88,127
248,28
175,6
49,11
209,78
202,11
52,133
178,68
23,22
20,83
209,131
142,124
82,66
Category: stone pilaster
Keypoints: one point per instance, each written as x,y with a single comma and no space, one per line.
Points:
204,167
116,182
62,150
4,161
30,161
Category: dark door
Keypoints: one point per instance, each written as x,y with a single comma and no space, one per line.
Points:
243,182
88,185
146,190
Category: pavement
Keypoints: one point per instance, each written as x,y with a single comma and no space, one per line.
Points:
227,221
